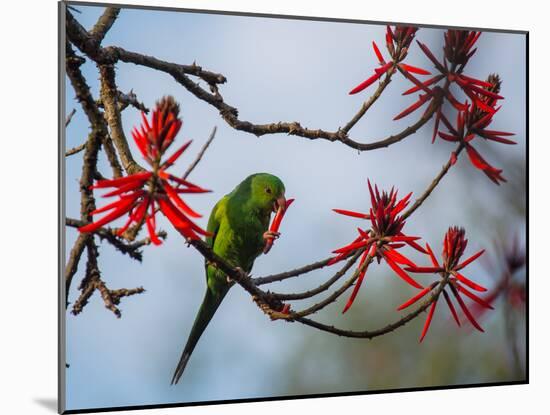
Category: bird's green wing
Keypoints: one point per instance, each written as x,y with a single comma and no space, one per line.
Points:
214,220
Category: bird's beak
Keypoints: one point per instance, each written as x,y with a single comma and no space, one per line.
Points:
280,205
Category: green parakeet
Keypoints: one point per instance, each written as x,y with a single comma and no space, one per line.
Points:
239,226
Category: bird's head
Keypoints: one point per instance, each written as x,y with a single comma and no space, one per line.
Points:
268,192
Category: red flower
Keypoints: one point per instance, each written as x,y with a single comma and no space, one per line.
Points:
454,245
140,194
510,284
397,43
473,121
458,49
382,240
276,223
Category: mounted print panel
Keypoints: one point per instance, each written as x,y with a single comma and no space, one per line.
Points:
276,207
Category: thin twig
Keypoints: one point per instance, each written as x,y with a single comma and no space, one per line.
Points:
110,235
292,273
70,117
369,334
200,154
320,288
75,150
418,202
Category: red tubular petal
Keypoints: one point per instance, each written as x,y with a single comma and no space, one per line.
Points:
383,69
483,121
171,134
117,203
415,298
424,270
152,233
417,82
485,92
351,213
192,190
432,256
399,258
401,205
126,226
470,260
427,83
145,122
451,307
365,84
428,321
357,286
476,159
468,282
436,124
496,138
448,137
132,186
115,214
493,132
402,274
414,245
453,158
120,181
390,33
475,81
403,238
474,297
448,124
479,102
172,159
351,247
139,139
465,309
179,201
336,259
363,234
454,102
279,216
396,246
421,101
414,69
167,176
372,198
378,54
182,224
431,57
141,210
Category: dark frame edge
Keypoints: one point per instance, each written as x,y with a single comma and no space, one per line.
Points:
292,397
62,6
61,323
285,16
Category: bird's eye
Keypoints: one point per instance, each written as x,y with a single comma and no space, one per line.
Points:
268,190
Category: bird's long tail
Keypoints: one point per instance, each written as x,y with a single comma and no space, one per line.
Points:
207,309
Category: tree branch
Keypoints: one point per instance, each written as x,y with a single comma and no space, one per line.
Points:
369,334
322,287
110,235
104,23
109,94
418,202
110,55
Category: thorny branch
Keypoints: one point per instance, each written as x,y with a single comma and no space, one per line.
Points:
114,101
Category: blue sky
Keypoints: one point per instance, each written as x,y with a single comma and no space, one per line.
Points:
292,71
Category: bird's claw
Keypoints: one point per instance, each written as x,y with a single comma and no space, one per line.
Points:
270,235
